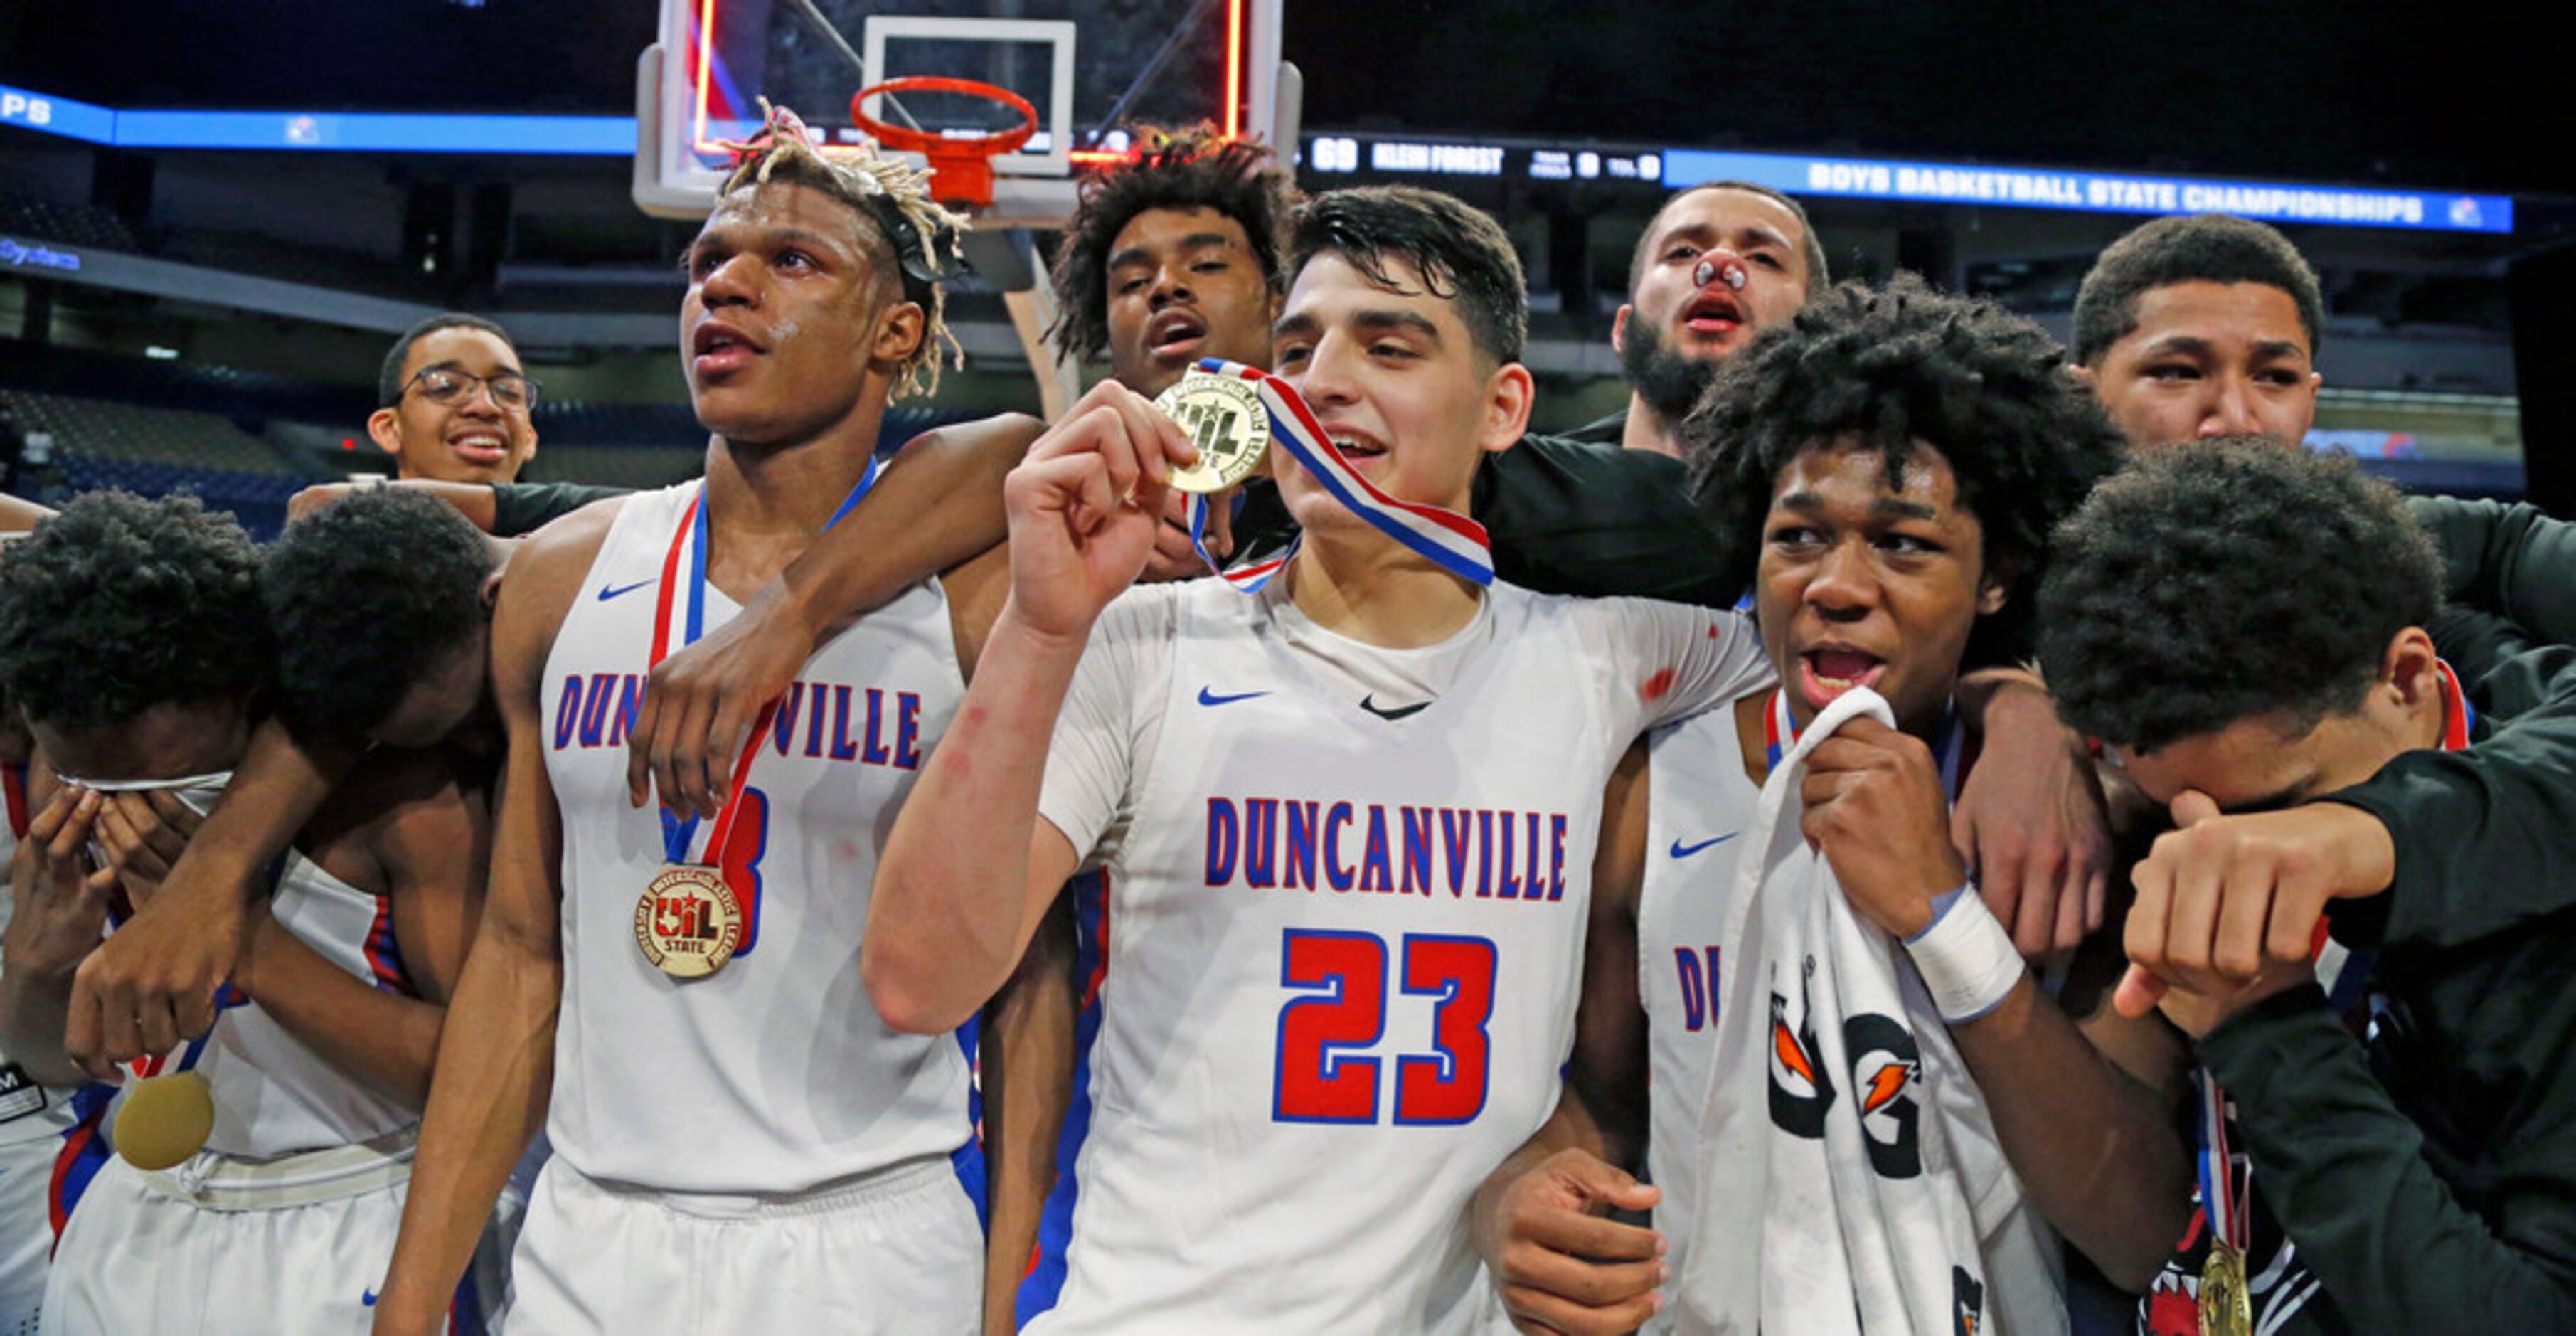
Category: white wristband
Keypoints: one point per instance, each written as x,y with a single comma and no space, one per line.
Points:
1967,960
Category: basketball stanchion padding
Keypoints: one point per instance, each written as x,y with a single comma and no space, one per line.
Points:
961,168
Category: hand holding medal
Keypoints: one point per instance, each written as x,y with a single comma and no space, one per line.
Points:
1224,418
1444,537
167,1117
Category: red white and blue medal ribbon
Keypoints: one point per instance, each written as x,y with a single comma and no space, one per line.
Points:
679,833
2223,1187
1443,537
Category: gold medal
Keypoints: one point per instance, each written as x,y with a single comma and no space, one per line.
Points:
1225,419
165,1119
2226,1309
689,922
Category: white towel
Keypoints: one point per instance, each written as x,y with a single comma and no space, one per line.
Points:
1833,1197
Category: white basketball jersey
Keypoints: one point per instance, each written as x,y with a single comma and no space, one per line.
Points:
1698,802
775,1074
1343,955
274,1095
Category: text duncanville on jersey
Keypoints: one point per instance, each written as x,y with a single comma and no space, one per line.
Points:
868,725
1338,845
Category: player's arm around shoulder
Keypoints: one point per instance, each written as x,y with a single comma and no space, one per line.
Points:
487,1097
936,509
965,466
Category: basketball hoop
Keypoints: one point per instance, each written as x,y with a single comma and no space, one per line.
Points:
961,169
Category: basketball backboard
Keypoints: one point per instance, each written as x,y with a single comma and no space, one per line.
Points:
1089,67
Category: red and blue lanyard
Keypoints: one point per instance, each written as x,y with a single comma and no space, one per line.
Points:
1780,733
689,545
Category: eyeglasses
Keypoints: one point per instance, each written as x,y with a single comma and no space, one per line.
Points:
510,391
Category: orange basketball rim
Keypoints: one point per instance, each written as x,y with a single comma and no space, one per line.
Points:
961,166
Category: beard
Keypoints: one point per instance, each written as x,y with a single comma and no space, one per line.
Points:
1669,382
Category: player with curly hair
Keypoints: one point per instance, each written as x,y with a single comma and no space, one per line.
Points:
135,641
1173,257
675,995
52,624
53,632
2251,632
1891,369
381,606
1883,470
2307,550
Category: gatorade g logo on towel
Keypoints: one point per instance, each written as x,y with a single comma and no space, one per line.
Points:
1886,1068
1801,1091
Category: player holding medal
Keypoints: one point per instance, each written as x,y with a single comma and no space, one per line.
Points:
740,1143
1345,814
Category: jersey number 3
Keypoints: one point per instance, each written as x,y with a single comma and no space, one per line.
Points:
1323,1076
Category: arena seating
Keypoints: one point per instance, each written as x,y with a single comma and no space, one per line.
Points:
100,228
99,443
247,440
77,224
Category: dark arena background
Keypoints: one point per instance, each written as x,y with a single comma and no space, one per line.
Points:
213,218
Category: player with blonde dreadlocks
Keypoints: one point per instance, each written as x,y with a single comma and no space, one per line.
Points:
918,236
741,1143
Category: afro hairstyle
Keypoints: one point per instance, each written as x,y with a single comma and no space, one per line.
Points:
364,597
2227,579
1195,168
1891,368
119,604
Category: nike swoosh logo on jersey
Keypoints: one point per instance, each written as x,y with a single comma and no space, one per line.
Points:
1681,850
1208,696
1369,704
369,1301
607,592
